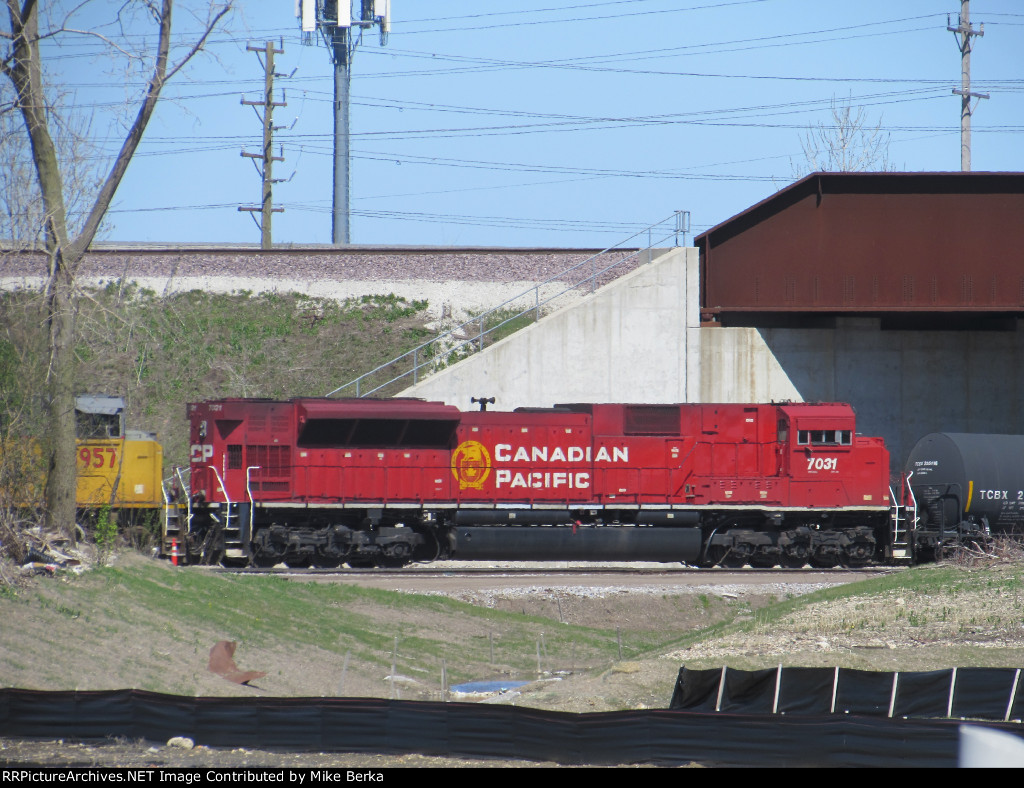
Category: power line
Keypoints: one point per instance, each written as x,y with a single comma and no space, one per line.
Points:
523,11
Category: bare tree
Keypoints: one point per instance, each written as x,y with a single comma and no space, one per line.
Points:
65,244
21,204
848,144
20,208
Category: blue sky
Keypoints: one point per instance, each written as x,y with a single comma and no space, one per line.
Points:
548,122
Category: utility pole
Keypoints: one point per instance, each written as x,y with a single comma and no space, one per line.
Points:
266,208
963,33
342,33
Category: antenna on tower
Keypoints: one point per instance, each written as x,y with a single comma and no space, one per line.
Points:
341,33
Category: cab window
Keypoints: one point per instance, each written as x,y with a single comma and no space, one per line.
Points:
824,437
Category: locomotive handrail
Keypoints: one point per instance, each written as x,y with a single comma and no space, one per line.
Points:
896,506
172,503
913,499
186,489
909,519
166,512
223,489
439,352
227,502
248,492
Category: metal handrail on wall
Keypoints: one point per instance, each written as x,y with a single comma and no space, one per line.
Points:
468,338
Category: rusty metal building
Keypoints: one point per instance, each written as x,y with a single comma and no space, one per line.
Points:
902,293
871,243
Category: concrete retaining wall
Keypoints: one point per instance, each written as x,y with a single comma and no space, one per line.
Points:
635,340
903,384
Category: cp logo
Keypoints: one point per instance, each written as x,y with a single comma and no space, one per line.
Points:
471,465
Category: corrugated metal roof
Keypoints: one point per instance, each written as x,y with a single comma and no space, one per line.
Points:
877,243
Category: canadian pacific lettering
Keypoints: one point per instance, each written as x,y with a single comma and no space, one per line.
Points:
540,480
506,452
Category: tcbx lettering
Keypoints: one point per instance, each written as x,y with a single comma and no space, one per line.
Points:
993,495
506,452
540,480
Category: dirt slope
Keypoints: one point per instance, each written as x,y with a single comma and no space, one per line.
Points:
929,619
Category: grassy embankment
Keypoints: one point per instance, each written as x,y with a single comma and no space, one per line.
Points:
161,352
144,624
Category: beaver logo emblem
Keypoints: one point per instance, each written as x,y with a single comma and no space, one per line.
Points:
471,465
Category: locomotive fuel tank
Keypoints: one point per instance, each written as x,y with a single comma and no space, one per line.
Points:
959,477
587,543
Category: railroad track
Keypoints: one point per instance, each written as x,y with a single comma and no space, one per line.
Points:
713,575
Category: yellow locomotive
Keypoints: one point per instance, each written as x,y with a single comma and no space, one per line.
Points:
119,468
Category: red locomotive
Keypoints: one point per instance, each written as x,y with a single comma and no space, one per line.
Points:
382,482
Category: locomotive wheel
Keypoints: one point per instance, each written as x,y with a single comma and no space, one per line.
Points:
741,554
396,555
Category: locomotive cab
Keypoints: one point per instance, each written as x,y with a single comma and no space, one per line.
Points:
818,440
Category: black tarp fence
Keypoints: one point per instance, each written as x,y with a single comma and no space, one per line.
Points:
361,725
961,693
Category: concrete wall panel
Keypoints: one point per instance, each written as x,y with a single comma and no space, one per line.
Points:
903,384
994,375
627,342
737,365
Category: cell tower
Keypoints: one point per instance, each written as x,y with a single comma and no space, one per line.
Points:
342,33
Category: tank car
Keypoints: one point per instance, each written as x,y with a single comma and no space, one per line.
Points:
965,487
382,482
